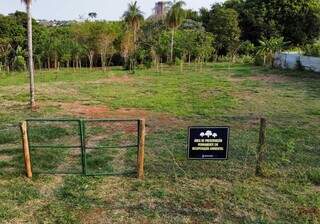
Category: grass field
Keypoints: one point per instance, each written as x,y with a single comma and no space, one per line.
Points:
175,190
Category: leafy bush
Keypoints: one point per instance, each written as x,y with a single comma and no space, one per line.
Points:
247,48
247,59
314,176
313,49
19,64
258,60
148,63
295,49
178,61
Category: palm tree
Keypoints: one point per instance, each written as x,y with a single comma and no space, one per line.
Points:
175,17
30,54
133,17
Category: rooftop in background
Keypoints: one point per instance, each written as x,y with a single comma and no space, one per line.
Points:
74,9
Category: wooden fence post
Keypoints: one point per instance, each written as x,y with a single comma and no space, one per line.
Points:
142,132
26,151
261,150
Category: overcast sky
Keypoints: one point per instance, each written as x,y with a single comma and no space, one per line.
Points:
72,9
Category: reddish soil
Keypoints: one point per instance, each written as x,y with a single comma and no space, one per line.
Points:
154,121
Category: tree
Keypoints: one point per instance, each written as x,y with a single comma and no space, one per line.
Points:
127,48
150,39
5,48
174,19
86,35
298,21
105,37
224,25
133,17
30,54
93,15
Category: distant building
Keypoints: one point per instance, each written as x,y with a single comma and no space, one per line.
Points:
159,9
54,22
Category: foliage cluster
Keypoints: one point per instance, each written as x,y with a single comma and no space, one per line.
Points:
313,49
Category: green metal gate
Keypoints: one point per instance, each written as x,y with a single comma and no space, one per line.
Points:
90,158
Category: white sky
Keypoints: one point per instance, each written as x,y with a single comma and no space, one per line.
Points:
72,9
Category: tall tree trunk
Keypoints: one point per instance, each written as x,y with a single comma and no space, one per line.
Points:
55,61
110,60
133,58
6,64
157,64
103,60
40,63
172,43
48,62
90,57
30,58
76,62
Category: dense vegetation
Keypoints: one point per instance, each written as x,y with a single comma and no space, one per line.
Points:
236,27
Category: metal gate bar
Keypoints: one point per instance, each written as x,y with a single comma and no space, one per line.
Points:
28,121
82,139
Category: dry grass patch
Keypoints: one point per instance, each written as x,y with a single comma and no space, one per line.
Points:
271,78
114,79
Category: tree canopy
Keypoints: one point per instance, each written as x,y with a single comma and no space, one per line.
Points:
225,29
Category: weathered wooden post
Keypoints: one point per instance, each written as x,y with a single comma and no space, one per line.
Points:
140,162
26,151
261,150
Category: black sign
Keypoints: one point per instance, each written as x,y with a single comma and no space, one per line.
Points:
208,143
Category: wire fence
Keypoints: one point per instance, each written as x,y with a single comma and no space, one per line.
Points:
110,148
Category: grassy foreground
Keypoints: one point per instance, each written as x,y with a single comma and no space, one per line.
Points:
175,190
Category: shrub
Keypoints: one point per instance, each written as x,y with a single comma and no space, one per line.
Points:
148,63
258,60
247,59
312,49
247,48
314,176
178,61
19,64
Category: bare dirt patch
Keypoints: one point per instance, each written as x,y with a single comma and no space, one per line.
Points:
95,216
154,120
84,110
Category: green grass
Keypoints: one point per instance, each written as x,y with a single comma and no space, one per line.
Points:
175,190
